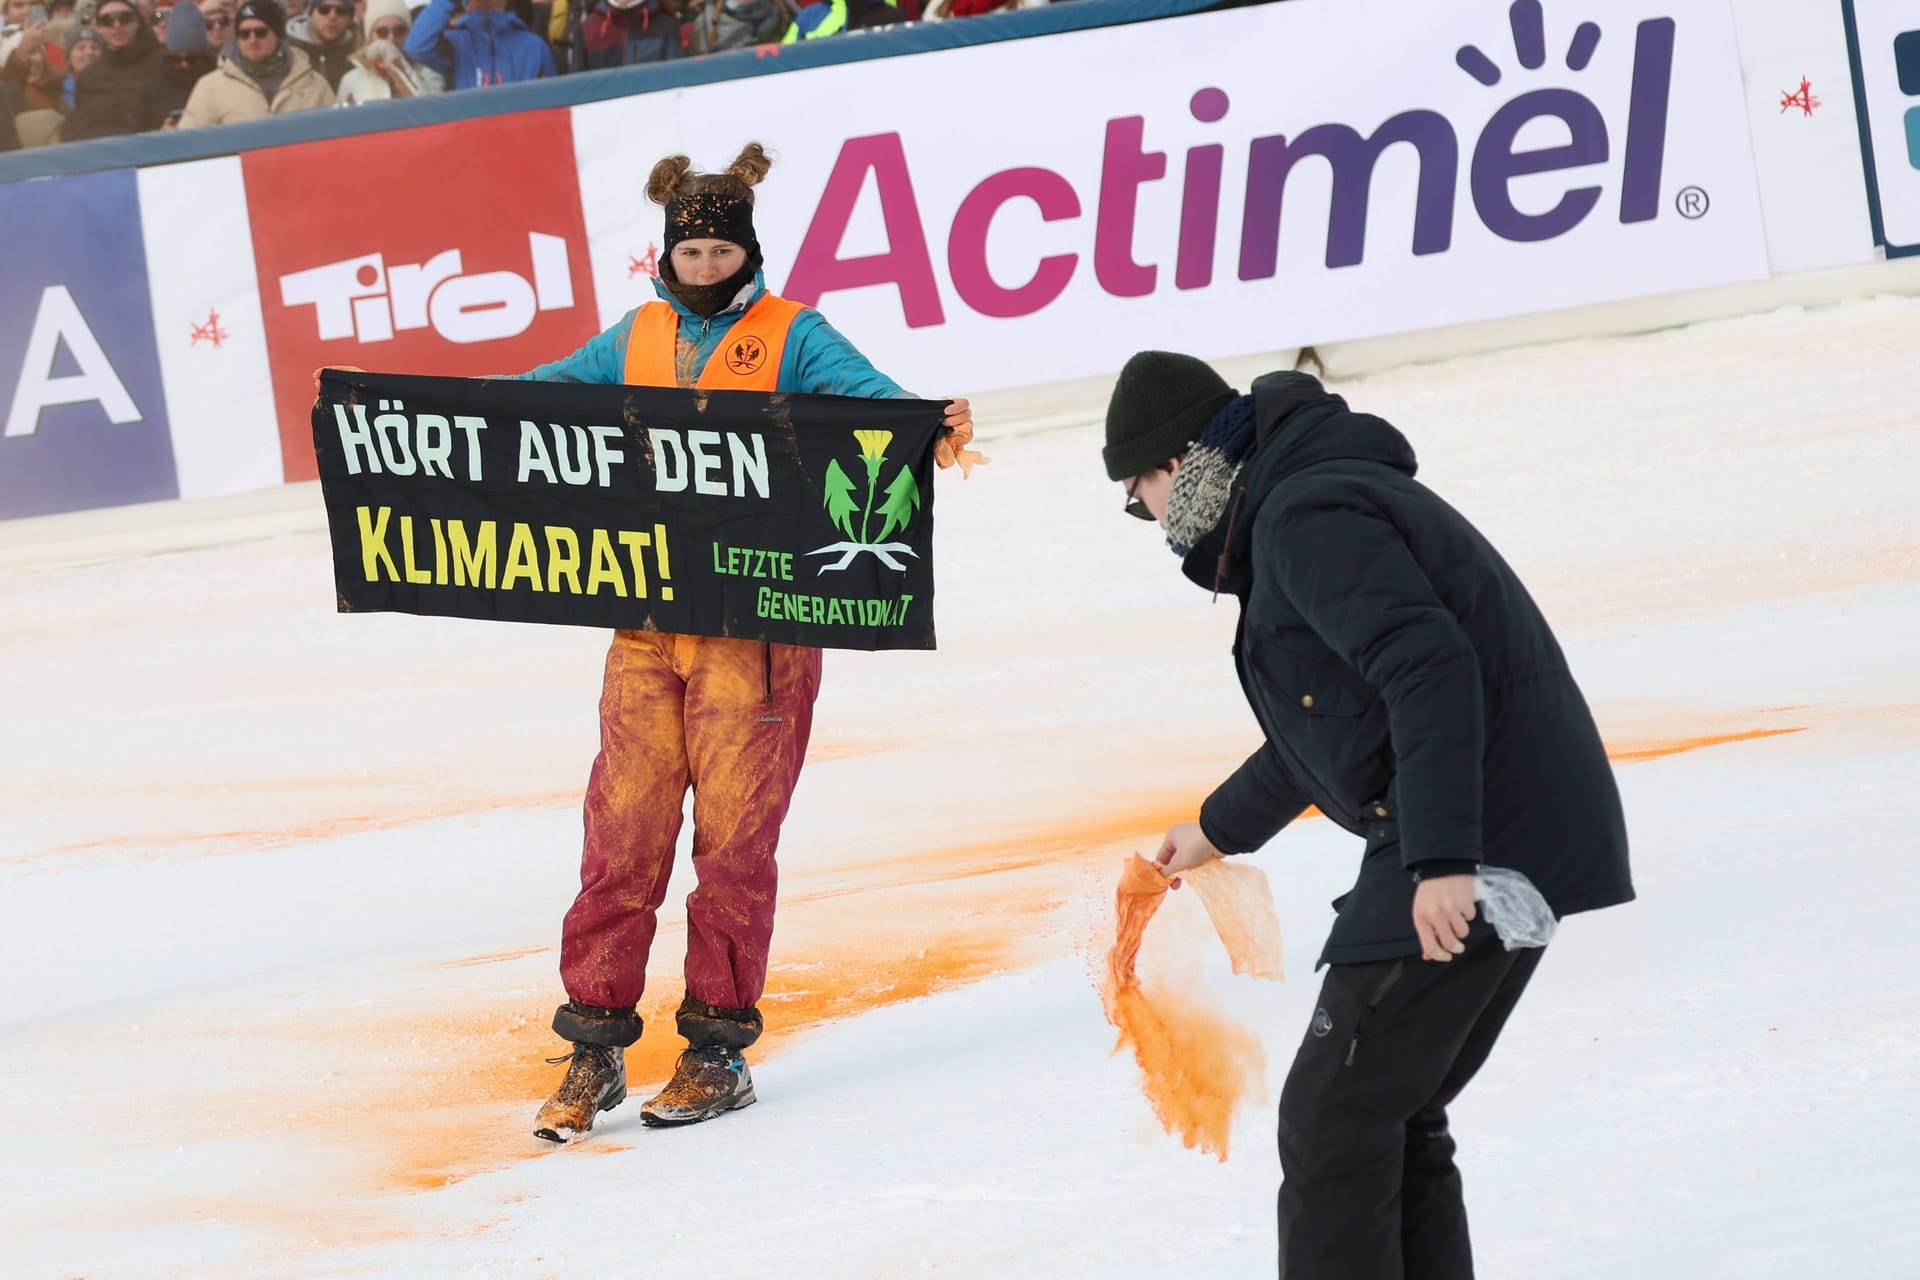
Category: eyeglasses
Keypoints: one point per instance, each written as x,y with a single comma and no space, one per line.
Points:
395,31
253,33
118,18
1135,507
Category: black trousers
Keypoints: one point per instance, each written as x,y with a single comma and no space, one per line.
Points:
1369,1190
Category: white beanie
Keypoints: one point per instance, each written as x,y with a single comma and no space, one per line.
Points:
378,9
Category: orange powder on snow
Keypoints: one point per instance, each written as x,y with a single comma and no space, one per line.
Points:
1196,1063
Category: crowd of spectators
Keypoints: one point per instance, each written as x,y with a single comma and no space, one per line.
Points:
77,69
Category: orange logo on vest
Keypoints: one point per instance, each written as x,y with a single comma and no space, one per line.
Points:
745,356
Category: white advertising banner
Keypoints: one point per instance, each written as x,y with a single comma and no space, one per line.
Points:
1888,34
1240,181
207,329
615,145
1806,139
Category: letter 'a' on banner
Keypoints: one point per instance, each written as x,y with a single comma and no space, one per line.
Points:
795,519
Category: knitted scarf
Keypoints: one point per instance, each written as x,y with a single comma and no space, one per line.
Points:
274,68
709,300
1200,491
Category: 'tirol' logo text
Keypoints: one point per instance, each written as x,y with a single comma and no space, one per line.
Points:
365,299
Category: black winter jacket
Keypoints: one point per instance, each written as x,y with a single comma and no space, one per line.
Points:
332,61
1407,684
168,91
108,99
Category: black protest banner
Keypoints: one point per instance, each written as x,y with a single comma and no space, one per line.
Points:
797,519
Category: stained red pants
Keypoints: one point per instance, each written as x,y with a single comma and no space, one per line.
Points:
730,718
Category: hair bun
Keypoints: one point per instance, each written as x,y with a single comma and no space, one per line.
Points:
667,177
751,165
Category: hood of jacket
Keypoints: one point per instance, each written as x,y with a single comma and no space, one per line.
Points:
301,29
494,22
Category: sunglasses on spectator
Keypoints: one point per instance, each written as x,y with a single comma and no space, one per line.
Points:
1135,507
253,33
345,9
389,31
219,22
118,18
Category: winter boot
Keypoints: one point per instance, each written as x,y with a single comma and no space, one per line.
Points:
596,1081
706,1081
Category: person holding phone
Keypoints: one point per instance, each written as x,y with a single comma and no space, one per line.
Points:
29,61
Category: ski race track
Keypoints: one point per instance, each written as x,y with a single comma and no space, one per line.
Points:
280,890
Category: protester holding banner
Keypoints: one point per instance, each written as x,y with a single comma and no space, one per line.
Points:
731,717
1409,688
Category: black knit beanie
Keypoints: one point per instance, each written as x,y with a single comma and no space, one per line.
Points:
1160,405
267,11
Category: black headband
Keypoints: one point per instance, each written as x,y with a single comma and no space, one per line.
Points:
711,216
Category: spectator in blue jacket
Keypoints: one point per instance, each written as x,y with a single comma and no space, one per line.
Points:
487,46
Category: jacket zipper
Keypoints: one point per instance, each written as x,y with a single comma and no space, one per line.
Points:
1379,994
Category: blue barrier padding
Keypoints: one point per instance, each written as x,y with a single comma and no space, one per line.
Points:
589,86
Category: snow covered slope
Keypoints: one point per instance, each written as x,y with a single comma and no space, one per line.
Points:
280,893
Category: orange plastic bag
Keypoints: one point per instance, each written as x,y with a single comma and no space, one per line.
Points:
1196,1063
1239,902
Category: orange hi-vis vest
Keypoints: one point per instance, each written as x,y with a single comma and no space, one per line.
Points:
748,358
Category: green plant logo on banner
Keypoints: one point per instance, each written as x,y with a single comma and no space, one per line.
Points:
897,504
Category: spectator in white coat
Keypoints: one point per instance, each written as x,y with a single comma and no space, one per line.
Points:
383,70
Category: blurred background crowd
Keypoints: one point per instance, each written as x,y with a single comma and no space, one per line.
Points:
77,69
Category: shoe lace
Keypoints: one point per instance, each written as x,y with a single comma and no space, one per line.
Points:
593,1051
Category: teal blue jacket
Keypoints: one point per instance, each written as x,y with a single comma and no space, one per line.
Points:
819,360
